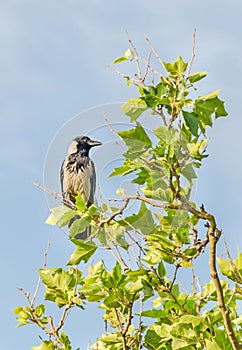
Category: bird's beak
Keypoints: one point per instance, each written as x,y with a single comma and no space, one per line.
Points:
93,143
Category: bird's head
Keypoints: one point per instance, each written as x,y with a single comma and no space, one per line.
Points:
82,143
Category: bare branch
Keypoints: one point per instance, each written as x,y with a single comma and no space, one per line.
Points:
39,280
147,66
136,57
175,275
159,110
57,195
153,49
113,131
63,317
123,75
193,52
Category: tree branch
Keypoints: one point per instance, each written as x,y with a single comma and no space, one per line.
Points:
57,195
39,279
136,57
193,52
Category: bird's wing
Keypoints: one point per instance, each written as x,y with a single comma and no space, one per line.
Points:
87,179
62,176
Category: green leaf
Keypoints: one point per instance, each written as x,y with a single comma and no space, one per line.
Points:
80,204
118,236
128,55
65,340
128,81
78,226
137,142
165,195
209,96
147,289
40,310
188,172
120,59
153,257
192,122
83,252
232,269
161,269
205,108
194,77
153,101
66,218
219,342
17,310
143,220
136,134
49,276
134,107
46,345
177,68
190,251
134,287
123,170
60,215
152,340
197,149
153,313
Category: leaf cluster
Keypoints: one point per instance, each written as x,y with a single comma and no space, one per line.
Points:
143,304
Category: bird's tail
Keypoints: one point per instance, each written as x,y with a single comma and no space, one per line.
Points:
81,235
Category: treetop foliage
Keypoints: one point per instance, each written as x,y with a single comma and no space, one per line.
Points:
144,306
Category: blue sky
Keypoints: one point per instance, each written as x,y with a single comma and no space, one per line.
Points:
53,66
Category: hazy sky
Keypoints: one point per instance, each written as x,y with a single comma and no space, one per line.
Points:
54,58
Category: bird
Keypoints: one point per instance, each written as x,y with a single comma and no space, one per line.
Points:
78,176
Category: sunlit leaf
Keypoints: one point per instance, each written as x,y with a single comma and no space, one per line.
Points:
133,108
161,270
83,252
60,215
232,269
143,220
194,77
46,345
177,68
219,342
209,95
192,122
78,226
128,55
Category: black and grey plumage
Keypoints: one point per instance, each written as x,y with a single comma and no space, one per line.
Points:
78,174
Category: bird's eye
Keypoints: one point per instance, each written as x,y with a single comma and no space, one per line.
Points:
85,139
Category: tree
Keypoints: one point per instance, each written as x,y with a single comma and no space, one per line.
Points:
158,242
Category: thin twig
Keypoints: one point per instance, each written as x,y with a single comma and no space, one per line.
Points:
147,66
63,317
140,316
193,282
39,279
136,57
153,49
112,130
159,110
123,263
57,195
193,52
54,332
135,81
175,275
